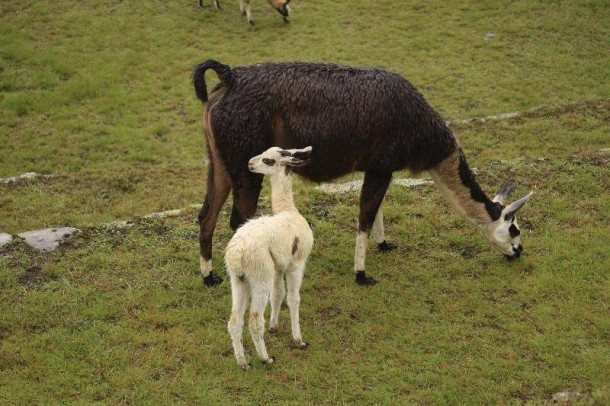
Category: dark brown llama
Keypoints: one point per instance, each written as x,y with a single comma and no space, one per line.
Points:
356,119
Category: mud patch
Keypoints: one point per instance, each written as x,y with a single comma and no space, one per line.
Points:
321,207
599,157
32,274
469,252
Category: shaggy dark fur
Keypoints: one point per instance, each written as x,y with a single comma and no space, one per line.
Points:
356,119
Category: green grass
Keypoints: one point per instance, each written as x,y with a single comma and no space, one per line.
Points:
98,94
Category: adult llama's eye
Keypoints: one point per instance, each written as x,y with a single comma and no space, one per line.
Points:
514,231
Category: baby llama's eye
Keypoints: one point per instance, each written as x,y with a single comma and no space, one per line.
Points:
269,162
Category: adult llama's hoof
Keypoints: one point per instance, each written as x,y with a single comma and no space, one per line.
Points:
386,246
212,280
363,280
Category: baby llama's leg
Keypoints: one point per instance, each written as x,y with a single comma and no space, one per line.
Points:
236,322
260,298
294,277
277,296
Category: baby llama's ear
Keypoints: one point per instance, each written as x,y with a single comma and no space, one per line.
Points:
302,153
294,162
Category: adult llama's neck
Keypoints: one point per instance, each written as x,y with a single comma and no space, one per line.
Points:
457,183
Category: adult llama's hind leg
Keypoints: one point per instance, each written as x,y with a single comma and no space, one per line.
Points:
218,188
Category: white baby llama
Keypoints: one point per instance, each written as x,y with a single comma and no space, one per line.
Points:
266,249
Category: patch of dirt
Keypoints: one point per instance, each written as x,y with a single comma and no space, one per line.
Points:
41,180
321,208
432,306
469,252
600,157
326,316
152,227
597,109
32,274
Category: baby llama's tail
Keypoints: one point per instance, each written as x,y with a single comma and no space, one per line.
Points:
234,257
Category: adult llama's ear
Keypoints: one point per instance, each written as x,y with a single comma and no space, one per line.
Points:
295,157
504,191
509,211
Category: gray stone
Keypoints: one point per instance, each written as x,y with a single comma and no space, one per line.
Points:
490,35
25,176
408,182
29,175
508,115
356,185
48,239
164,214
567,396
340,188
118,225
5,239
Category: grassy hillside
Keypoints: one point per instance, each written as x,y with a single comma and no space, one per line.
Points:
98,95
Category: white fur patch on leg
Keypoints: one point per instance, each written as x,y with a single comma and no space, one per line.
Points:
360,256
205,266
378,227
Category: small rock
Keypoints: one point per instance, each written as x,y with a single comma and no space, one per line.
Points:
29,175
567,396
335,188
25,176
356,185
490,35
48,239
5,239
408,182
164,214
508,115
118,224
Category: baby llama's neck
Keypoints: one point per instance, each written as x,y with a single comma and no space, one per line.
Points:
281,192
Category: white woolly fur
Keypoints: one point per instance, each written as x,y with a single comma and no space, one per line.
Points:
266,250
